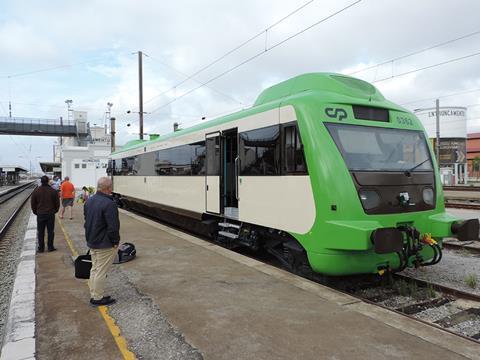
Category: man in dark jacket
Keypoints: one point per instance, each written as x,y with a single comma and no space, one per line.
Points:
102,231
45,204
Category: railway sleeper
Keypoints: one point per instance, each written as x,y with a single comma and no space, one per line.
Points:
459,317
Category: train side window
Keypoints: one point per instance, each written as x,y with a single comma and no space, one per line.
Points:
260,151
213,153
197,151
293,155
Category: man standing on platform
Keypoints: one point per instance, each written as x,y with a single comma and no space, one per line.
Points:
45,204
67,191
102,231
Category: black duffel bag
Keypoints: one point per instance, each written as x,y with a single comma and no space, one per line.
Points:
83,265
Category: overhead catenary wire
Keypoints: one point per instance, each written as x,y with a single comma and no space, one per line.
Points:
427,67
229,52
441,96
189,76
259,54
416,52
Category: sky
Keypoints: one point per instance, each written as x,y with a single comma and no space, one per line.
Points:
87,52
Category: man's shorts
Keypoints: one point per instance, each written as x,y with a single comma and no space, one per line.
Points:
67,202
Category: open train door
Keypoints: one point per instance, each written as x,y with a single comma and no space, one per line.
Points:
212,173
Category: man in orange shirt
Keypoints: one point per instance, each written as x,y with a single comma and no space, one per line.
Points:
67,191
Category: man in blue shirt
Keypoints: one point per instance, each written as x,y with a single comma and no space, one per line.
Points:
102,231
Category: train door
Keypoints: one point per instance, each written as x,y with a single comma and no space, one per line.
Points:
212,174
229,173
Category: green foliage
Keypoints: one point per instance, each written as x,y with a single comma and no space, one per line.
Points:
472,280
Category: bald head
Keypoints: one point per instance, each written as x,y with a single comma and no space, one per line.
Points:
104,185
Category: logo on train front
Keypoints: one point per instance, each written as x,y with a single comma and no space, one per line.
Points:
336,113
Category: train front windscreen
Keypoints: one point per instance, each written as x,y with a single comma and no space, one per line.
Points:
369,148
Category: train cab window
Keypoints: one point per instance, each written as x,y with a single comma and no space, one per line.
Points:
293,156
260,151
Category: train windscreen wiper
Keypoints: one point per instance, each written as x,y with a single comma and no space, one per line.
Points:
407,172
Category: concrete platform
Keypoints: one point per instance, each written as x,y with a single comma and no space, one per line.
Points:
186,298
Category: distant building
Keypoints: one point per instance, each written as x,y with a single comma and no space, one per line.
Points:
473,155
453,141
84,160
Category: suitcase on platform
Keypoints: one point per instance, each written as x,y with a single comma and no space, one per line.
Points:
83,265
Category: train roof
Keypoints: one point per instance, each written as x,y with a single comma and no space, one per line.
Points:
331,86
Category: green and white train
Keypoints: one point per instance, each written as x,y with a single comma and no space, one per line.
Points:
321,171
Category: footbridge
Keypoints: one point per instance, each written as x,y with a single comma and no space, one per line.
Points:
42,127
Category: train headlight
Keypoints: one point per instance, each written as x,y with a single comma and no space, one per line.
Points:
370,199
427,195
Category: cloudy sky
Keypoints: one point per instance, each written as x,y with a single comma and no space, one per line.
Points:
85,51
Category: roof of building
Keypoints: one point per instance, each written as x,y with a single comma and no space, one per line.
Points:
473,135
16,167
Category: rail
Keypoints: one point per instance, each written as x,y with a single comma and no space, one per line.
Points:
6,226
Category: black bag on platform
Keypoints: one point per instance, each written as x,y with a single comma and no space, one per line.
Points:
126,252
83,265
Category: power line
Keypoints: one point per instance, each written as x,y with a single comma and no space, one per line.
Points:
415,52
189,76
428,67
259,54
263,32
441,96
50,68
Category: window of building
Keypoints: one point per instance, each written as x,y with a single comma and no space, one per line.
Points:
84,166
77,166
260,151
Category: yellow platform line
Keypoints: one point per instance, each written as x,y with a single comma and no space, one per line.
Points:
112,327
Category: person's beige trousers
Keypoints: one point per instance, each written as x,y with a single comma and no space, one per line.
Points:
102,259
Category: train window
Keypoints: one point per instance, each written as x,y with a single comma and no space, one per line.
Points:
128,167
368,148
198,158
260,151
213,153
293,156
144,164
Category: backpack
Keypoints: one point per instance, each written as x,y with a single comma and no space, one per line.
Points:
126,252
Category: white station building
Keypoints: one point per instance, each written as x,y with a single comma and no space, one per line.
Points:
85,161
453,140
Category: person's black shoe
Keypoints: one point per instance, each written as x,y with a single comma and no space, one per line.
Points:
52,249
103,301
105,297
40,250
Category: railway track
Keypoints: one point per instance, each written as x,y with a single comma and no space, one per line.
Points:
461,188
8,196
462,246
457,205
437,305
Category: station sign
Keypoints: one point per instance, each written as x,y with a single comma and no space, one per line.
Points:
452,150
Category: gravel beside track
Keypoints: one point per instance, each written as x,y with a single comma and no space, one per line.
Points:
10,249
451,271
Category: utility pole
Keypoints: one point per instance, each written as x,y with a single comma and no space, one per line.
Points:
112,133
437,153
140,92
10,109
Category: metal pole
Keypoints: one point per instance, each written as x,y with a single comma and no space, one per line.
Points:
438,132
140,93
112,133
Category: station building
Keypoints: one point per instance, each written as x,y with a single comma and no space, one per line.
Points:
10,174
84,160
453,141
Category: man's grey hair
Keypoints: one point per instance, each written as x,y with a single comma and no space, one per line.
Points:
67,178
104,183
